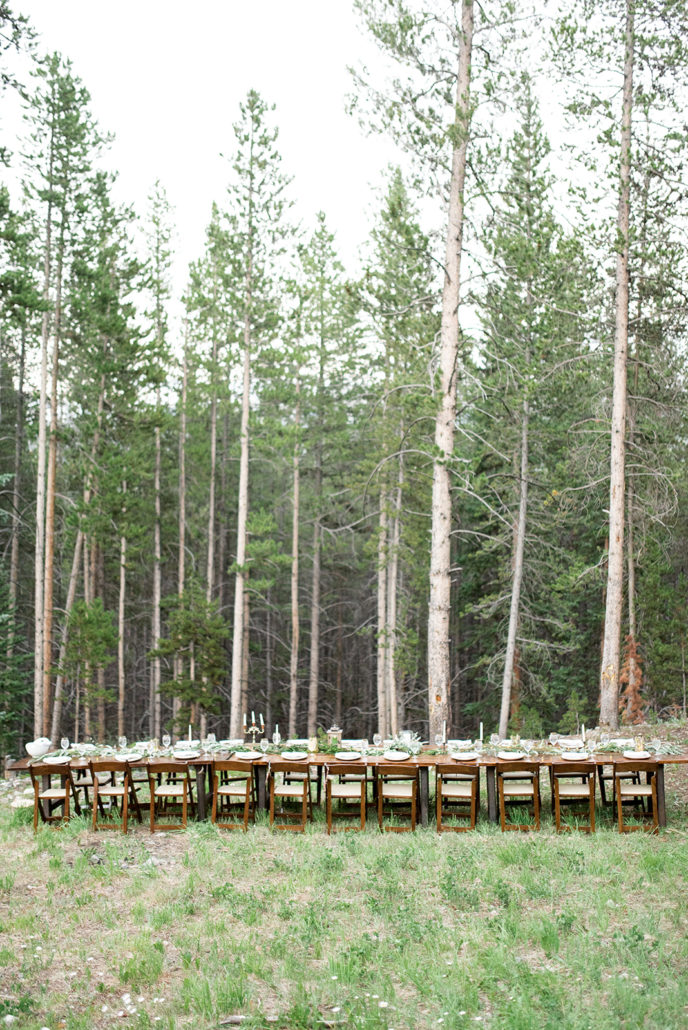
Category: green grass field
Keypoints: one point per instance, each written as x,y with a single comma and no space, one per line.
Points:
400,931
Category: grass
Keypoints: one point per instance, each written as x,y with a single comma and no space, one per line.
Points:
401,931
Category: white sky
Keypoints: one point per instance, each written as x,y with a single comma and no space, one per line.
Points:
167,78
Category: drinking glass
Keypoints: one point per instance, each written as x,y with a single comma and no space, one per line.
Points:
439,741
64,743
166,740
377,739
276,738
122,741
264,745
640,743
211,738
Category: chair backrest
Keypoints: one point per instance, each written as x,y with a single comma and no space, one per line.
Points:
511,767
39,770
345,769
108,765
462,769
626,768
574,769
279,766
400,770
232,765
158,767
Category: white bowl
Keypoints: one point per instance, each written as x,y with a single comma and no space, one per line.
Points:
38,747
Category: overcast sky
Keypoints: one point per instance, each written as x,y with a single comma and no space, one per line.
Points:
167,78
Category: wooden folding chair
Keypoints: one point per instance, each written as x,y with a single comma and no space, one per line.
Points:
169,786
116,790
289,782
573,787
518,783
346,793
233,789
397,795
636,794
456,791
48,796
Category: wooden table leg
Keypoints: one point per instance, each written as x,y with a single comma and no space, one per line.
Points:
260,773
661,800
200,793
491,775
424,784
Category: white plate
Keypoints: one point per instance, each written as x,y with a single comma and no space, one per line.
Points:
464,756
575,756
570,742
626,754
248,756
295,756
511,756
128,756
348,756
459,743
186,745
297,740
56,760
395,756
186,754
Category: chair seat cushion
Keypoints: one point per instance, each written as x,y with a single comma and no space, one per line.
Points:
574,790
111,790
457,789
630,790
289,790
237,788
346,790
52,793
397,789
514,789
169,790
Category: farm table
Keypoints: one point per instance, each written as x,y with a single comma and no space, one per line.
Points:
422,763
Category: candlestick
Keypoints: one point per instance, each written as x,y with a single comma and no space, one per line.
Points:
253,718
444,731
481,733
189,733
244,722
262,722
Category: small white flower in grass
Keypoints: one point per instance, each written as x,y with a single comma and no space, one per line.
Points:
103,1008
382,1004
336,1008
89,959
440,1020
39,948
334,978
140,998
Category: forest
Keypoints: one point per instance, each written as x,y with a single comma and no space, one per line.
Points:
450,488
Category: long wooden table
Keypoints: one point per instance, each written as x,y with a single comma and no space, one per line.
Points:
421,763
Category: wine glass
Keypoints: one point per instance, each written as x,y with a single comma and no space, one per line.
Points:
264,745
64,743
211,738
377,739
439,741
276,738
166,740
363,747
122,741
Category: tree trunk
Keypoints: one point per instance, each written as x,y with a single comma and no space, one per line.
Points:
382,626
609,673
242,519
314,664
16,497
517,576
39,555
392,586
181,566
155,710
440,547
59,681
294,653
120,622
